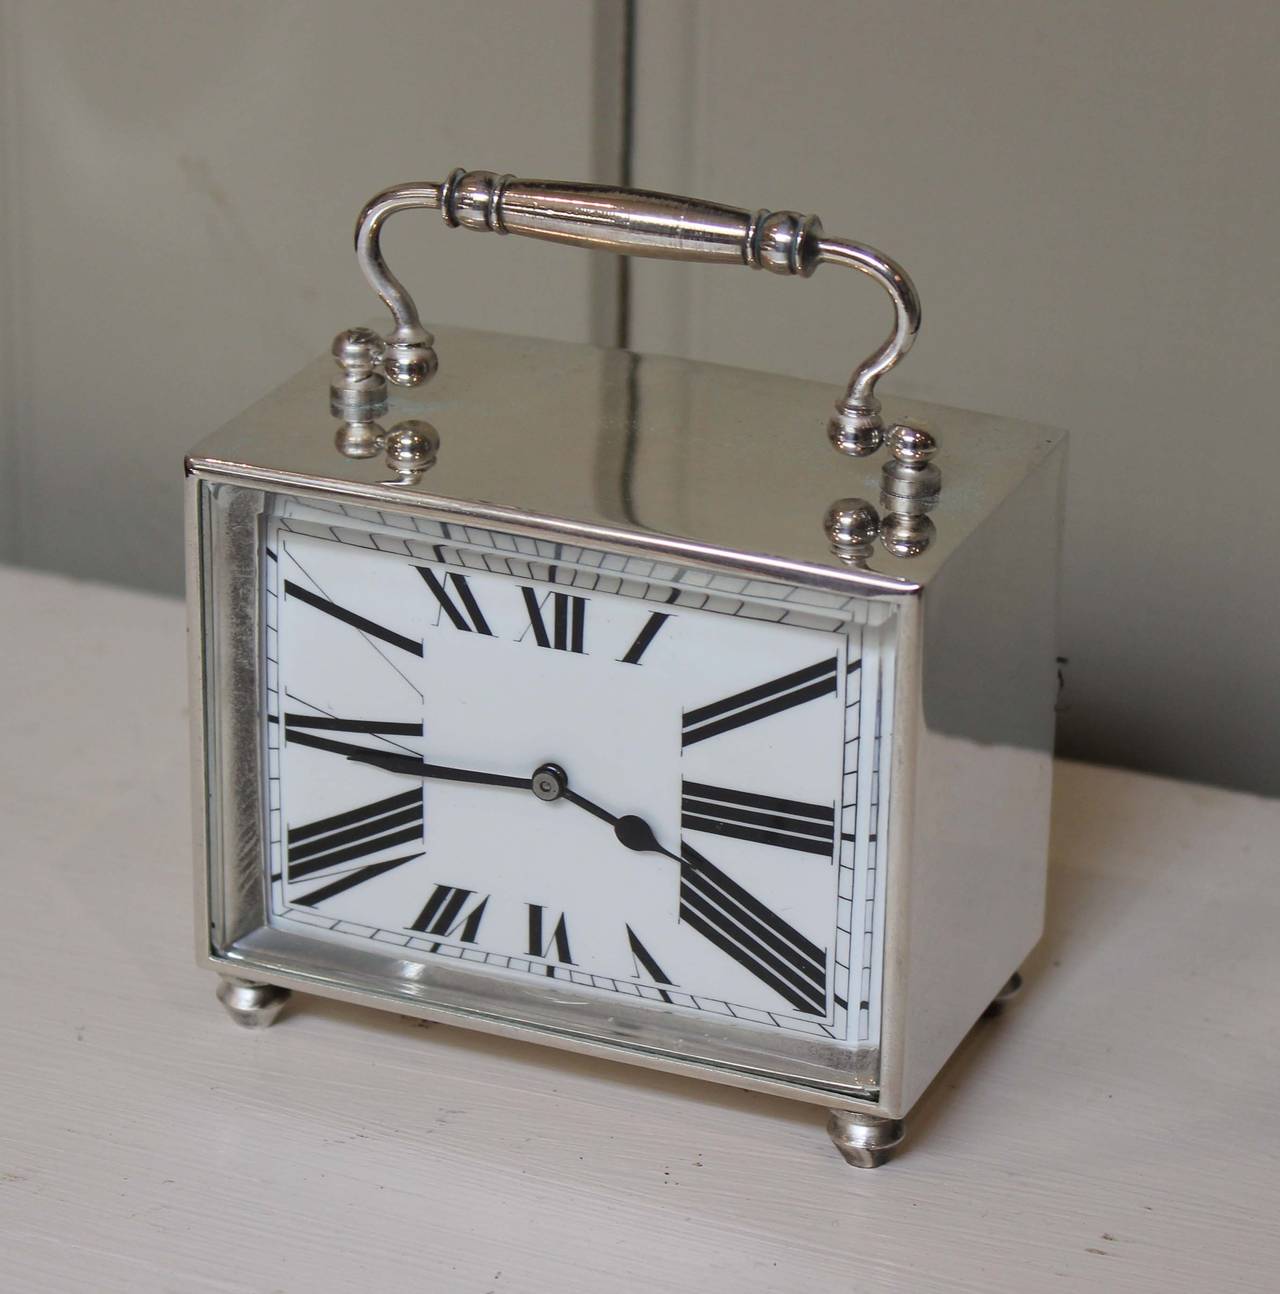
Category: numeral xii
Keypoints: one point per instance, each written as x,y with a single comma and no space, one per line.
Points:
568,620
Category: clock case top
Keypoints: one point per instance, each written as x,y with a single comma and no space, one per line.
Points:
697,460
727,470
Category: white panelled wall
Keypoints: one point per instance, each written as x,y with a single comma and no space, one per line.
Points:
1086,197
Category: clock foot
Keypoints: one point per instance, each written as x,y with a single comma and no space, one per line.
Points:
865,1140
1012,987
255,1006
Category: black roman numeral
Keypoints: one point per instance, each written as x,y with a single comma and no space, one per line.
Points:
468,617
568,620
646,635
541,944
755,936
302,729
646,966
765,819
370,627
760,702
355,834
445,914
358,833
351,880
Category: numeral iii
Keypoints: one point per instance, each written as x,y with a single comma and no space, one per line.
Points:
765,819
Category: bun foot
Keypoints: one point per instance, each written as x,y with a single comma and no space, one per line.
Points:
254,1006
865,1140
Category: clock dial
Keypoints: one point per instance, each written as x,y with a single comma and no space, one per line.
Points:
530,760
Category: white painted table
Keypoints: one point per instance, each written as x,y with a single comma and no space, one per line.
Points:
1118,1129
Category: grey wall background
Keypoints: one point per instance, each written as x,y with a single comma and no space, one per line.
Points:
1085,193
181,180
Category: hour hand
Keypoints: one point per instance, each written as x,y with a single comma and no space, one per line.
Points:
633,832
410,766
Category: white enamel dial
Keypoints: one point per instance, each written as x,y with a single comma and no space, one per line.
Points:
538,760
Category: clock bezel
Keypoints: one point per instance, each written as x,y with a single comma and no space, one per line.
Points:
225,579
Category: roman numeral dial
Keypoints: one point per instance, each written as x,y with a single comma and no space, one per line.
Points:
765,819
758,703
750,932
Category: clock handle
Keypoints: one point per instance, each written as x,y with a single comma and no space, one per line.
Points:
633,222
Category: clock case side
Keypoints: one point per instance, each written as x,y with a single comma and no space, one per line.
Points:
972,781
223,662
197,695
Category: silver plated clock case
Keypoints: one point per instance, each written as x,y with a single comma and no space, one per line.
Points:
635,706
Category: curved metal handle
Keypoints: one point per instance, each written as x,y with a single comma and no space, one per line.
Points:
633,222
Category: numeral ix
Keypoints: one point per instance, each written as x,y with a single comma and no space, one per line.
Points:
302,730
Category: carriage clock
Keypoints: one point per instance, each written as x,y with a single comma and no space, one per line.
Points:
635,706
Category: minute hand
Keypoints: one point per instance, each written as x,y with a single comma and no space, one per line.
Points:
412,767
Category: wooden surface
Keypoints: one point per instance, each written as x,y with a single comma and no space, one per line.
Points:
1117,1129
